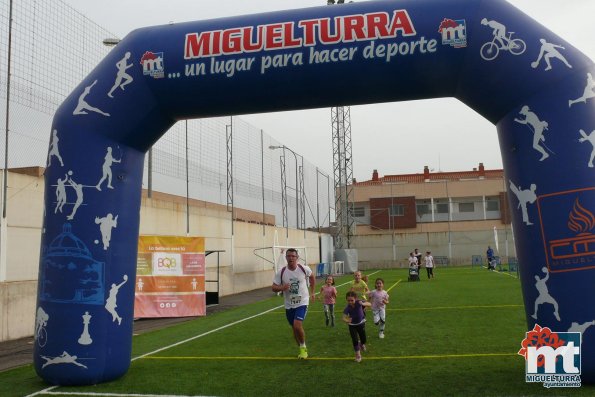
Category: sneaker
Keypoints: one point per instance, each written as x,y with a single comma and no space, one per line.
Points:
363,347
381,335
358,357
303,353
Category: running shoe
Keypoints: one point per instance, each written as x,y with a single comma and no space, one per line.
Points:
303,353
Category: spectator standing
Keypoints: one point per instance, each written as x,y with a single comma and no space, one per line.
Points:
429,260
490,256
418,255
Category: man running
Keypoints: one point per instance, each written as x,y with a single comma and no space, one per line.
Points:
297,282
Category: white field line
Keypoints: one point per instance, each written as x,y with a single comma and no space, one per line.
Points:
499,272
58,393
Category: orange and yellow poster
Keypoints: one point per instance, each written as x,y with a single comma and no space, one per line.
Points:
170,277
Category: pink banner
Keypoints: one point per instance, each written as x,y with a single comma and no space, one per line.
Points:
170,279
169,305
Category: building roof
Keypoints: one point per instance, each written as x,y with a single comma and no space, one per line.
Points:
428,176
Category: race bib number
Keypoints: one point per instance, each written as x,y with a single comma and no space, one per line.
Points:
295,299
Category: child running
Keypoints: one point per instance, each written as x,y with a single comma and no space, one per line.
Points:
353,315
329,293
379,300
359,286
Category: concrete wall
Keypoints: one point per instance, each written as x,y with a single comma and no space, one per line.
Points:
240,269
387,250
17,309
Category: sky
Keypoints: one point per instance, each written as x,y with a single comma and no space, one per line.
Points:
454,138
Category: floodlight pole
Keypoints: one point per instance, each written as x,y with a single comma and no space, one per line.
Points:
3,221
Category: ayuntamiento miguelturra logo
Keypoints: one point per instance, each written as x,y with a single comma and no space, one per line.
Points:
552,358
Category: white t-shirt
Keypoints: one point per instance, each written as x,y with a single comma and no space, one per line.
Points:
298,294
429,261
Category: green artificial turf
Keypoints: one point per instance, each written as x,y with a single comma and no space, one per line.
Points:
456,335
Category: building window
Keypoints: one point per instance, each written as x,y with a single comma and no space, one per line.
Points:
423,209
397,210
442,208
492,205
359,212
467,207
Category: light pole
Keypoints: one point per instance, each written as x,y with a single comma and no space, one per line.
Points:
318,171
110,41
297,188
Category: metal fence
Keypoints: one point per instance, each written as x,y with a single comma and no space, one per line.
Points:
53,47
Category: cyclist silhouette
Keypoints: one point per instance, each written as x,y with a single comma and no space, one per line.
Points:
502,41
499,31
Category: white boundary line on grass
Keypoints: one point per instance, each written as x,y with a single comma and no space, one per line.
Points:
499,272
49,389
57,393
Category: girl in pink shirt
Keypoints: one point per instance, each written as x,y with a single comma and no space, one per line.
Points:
329,295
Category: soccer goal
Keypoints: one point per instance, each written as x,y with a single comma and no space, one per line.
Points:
275,255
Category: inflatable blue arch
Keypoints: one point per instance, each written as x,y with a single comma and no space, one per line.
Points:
537,89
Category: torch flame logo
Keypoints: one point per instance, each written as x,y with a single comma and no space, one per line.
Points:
580,219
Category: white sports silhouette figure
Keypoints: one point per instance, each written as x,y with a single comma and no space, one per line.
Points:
498,31
106,224
576,327
544,295
64,358
588,93
60,193
82,107
122,75
590,138
548,51
54,151
525,197
111,302
78,188
41,320
537,126
107,169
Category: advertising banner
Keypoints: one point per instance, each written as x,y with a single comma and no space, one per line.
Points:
170,277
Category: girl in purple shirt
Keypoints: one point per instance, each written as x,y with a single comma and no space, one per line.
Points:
354,316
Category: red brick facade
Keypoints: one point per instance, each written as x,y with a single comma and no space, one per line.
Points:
379,213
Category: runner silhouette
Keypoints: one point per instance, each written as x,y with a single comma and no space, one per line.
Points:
122,78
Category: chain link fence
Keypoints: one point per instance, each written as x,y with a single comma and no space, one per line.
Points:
53,47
